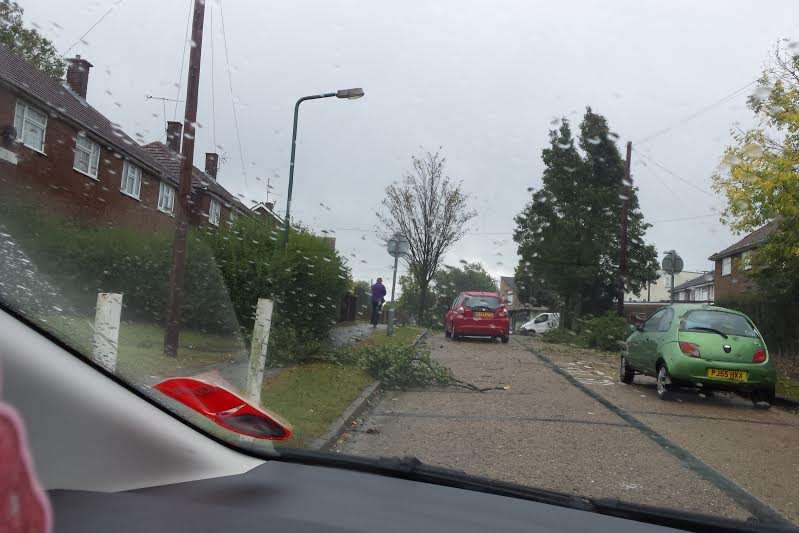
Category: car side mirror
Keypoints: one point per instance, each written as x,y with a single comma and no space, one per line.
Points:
225,408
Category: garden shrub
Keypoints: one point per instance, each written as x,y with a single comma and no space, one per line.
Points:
397,367
606,332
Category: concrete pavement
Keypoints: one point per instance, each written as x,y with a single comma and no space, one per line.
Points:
566,424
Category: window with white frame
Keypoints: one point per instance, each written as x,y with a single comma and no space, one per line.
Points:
131,180
233,216
214,211
166,198
668,281
87,156
31,125
726,266
746,260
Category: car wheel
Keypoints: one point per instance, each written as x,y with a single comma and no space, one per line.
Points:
664,383
763,398
447,334
505,339
626,372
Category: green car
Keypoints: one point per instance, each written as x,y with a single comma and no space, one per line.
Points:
700,346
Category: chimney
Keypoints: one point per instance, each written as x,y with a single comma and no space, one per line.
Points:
270,205
211,164
78,75
174,131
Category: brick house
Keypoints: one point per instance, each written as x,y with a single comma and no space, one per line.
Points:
699,289
734,262
267,210
61,154
211,204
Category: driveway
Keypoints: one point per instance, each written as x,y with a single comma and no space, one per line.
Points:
566,424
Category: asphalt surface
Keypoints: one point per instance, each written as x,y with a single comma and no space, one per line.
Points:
567,424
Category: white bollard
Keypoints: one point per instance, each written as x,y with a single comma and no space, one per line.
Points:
106,330
260,344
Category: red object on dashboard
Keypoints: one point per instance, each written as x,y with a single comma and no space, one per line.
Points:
225,408
24,507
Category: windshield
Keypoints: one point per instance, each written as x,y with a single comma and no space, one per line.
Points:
727,323
291,200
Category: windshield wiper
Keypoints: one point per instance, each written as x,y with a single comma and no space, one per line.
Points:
413,469
712,330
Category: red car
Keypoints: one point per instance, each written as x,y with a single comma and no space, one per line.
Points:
477,314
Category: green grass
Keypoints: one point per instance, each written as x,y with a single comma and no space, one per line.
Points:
140,358
402,335
312,396
788,388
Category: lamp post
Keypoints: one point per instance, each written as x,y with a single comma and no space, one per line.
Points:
397,246
346,94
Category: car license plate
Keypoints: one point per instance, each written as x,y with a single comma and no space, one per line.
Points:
484,315
733,375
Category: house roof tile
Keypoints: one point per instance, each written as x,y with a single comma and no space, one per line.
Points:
704,279
169,161
42,89
751,240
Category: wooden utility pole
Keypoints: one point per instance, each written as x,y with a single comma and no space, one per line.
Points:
178,272
627,192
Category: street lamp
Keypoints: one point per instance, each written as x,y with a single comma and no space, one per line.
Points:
397,246
345,94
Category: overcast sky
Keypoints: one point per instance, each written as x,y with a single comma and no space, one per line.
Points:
482,80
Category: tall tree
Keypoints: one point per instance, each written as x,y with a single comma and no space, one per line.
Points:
568,234
431,212
450,281
760,178
28,43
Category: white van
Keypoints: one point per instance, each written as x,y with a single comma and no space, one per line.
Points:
540,324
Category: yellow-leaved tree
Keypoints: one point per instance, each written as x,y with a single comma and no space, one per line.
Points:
759,175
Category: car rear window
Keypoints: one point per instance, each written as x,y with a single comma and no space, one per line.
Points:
485,302
727,323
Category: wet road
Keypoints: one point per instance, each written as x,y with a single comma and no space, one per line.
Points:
567,424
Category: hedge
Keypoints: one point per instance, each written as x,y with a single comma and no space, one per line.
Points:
227,270
778,322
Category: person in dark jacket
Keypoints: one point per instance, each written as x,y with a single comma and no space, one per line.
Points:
378,298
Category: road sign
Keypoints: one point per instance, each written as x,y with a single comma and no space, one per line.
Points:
672,263
397,246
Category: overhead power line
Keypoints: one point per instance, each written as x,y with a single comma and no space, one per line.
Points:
232,96
179,82
96,23
674,174
695,114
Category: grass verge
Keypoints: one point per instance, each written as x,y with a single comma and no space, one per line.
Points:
312,396
140,357
403,335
